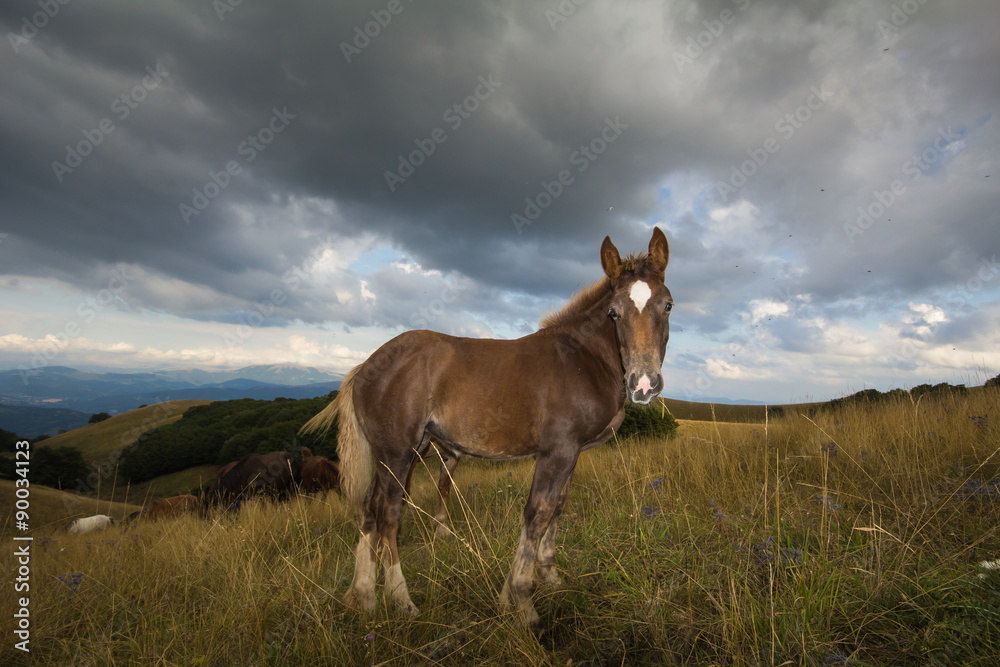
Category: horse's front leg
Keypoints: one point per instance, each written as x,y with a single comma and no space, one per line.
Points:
545,562
545,501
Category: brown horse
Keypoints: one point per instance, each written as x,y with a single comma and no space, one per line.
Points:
164,507
551,394
318,473
273,474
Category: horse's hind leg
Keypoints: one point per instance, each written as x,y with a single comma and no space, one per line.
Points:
362,590
394,480
444,489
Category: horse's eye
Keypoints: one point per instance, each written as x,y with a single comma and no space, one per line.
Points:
613,314
668,308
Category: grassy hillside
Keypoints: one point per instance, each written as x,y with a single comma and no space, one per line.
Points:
174,484
848,537
51,508
727,413
102,441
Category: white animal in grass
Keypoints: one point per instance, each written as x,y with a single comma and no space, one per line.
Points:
89,524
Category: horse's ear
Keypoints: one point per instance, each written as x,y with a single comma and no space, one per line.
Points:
659,251
611,261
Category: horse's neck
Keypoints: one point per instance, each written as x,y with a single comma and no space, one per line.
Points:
596,334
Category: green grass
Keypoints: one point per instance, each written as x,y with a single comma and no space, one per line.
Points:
848,537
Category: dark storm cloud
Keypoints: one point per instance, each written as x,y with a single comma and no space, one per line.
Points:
276,126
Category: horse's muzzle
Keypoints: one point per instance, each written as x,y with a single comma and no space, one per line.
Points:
642,389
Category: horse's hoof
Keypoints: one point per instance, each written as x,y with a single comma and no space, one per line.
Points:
525,609
550,578
408,609
362,602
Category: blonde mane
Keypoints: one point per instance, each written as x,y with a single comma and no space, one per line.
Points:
589,295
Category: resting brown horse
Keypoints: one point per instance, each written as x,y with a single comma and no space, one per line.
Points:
173,506
273,474
164,507
318,473
553,394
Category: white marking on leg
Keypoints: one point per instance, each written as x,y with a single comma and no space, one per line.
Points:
516,591
363,587
396,590
640,294
441,519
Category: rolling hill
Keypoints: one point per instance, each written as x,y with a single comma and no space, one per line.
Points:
724,412
101,441
51,508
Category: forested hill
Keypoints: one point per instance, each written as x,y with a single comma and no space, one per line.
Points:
223,431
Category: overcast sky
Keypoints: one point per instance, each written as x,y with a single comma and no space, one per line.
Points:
195,184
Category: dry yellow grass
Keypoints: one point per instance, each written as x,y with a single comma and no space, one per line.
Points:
848,537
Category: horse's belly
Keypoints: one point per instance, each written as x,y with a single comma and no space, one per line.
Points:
490,435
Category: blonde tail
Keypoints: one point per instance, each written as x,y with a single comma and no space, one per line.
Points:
355,452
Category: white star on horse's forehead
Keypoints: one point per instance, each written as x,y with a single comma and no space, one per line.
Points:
640,294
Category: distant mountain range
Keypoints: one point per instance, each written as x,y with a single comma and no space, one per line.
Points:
48,399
